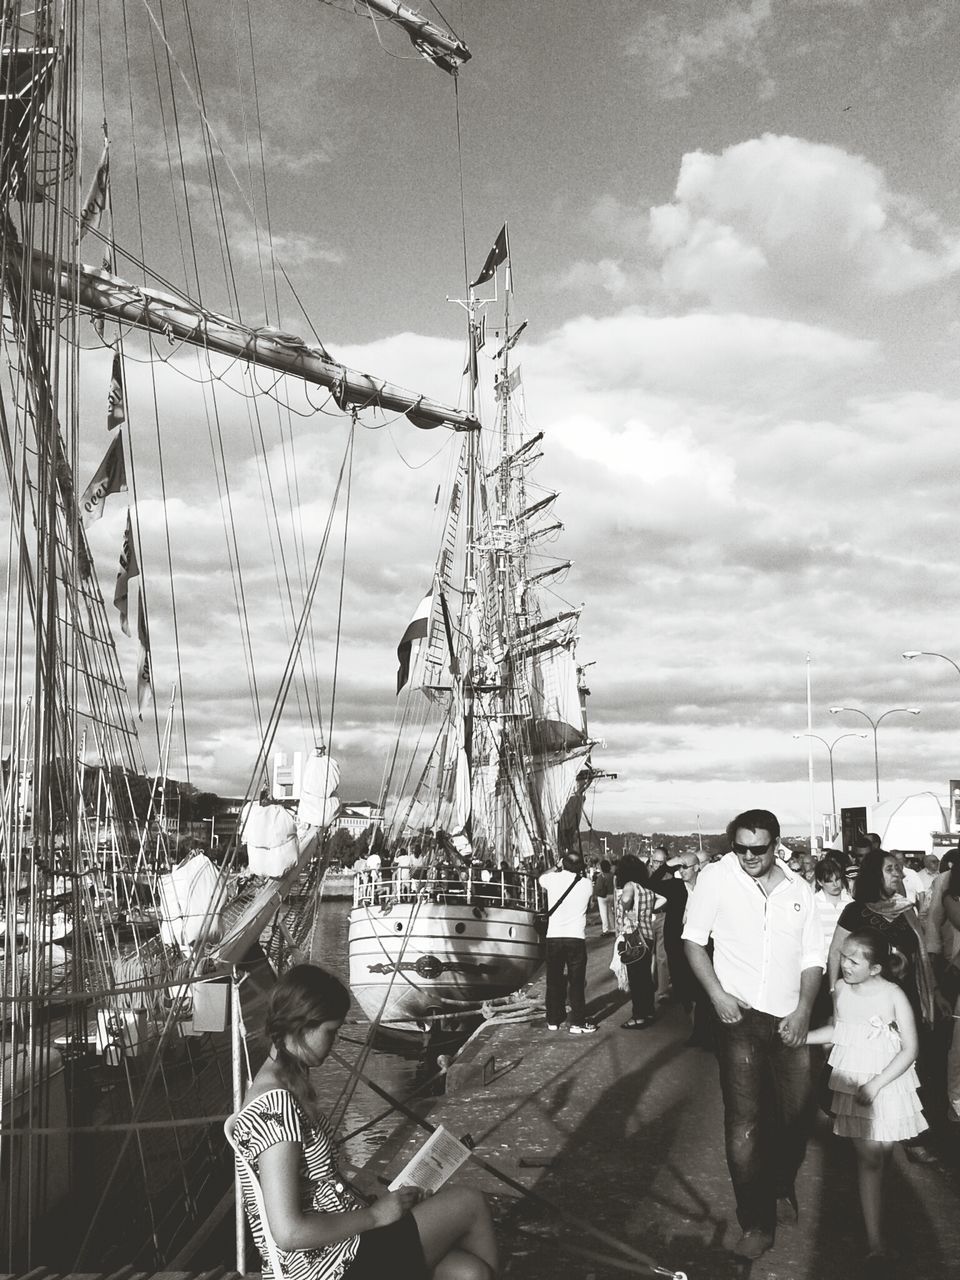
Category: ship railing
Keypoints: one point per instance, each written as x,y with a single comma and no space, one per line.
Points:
380,887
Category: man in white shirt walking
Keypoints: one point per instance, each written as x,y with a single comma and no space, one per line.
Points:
569,894
762,981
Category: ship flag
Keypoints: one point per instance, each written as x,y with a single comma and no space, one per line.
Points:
144,673
98,197
129,568
110,477
116,396
498,254
416,631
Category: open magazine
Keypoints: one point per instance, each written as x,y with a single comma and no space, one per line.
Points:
437,1160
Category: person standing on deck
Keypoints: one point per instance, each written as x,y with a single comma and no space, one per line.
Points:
762,981
659,873
569,894
605,892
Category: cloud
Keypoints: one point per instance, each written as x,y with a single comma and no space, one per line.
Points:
778,220
606,275
680,49
255,245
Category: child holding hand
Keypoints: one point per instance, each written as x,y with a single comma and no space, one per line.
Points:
874,1082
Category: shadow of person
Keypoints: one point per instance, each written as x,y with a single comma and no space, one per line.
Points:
613,1196
920,1209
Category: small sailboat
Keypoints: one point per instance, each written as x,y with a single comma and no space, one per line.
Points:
485,786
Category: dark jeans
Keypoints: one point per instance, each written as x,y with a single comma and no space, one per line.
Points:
566,964
766,1114
640,979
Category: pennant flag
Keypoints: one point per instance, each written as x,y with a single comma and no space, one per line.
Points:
496,255
99,197
129,568
508,384
116,397
416,630
144,676
110,477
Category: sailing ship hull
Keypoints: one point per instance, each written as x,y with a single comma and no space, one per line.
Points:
414,963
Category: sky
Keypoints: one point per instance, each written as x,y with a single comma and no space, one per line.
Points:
735,235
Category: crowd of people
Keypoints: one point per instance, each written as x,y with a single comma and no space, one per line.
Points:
775,957
833,978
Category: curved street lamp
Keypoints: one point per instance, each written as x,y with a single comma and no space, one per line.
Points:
830,746
928,653
875,725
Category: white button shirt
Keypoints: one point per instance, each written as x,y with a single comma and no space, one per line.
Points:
761,944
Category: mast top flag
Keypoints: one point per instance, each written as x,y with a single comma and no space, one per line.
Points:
500,253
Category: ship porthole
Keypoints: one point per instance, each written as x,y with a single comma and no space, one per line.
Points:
399,926
510,932
460,927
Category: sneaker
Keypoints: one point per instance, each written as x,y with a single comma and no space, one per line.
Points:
587,1029
753,1243
553,1026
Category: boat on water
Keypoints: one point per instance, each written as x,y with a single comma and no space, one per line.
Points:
486,783
134,963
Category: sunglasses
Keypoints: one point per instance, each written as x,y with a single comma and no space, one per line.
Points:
750,850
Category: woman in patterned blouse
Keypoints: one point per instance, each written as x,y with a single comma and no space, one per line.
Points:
322,1230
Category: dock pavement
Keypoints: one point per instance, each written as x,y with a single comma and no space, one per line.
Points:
612,1145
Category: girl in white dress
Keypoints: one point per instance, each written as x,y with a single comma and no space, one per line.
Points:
874,1081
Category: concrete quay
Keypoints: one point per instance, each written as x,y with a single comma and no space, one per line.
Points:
619,1135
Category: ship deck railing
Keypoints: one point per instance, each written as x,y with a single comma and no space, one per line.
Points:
512,889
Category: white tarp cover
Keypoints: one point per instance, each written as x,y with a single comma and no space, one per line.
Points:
908,823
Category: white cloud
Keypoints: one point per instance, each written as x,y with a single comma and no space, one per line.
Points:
605,275
679,49
777,221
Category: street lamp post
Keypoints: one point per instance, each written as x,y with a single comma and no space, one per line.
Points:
830,746
928,653
875,725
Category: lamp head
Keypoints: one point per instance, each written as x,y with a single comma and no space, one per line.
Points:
912,653
834,710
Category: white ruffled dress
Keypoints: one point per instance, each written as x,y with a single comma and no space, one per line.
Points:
865,1041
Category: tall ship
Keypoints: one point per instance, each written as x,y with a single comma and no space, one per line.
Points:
147,359
484,788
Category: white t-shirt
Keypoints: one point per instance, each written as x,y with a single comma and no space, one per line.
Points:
569,920
761,943
913,886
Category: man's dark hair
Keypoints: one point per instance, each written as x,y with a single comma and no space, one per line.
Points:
572,861
754,820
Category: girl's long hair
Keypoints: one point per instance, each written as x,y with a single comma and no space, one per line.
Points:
305,996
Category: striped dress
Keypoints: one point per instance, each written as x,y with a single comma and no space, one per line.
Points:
274,1117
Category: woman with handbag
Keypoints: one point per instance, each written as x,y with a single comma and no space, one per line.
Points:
635,901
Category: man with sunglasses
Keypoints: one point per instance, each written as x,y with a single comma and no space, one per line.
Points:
762,981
